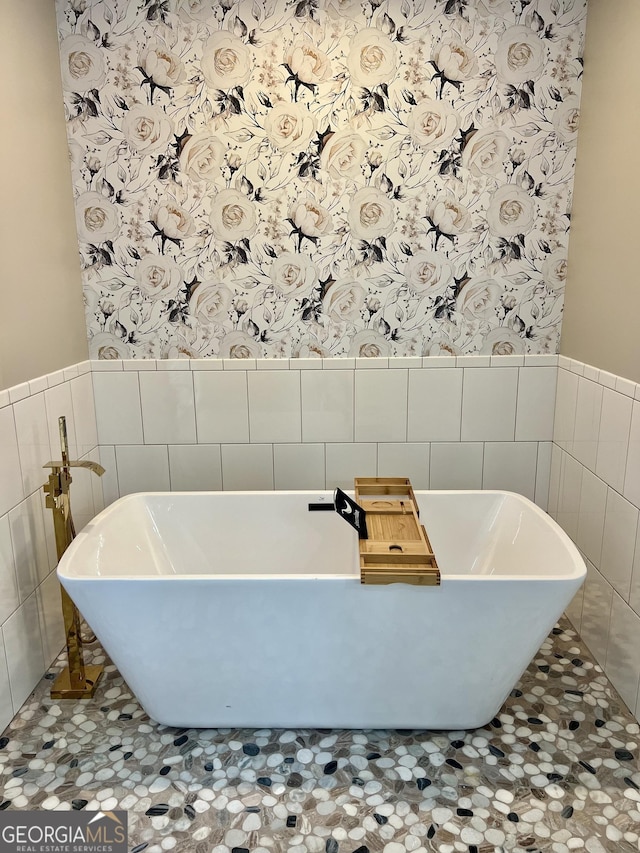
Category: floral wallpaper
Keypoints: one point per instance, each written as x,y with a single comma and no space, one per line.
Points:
295,178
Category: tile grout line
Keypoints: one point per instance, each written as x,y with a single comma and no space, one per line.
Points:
246,392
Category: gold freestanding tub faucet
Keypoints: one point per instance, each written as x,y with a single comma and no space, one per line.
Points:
77,680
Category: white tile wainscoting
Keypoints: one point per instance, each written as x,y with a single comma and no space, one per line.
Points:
466,422
470,422
31,630
595,496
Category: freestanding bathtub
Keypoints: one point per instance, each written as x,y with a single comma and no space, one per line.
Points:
246,609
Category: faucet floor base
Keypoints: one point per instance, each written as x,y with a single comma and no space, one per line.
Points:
67,686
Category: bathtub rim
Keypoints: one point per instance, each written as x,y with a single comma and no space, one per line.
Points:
578,566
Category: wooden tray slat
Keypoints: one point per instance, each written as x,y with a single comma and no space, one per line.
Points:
397,549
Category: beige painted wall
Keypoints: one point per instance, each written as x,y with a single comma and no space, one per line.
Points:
601,323
42,324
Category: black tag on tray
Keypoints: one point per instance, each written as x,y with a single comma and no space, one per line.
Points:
351,512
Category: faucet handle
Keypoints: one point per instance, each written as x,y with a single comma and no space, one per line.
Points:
77,463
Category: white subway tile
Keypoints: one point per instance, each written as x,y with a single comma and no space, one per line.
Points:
306,363
205,363
195,467
172,364
70,373
168,408
23,647
634,596
511,465
410,361
593,502
56,378
118,412
83,367
619,542
19,392
344,462
49,531
81,497
565,410
142,468
38,385
247,467
138,364
238,363
48,545
274,406
507,360
613,440
327,405
51,619
536,403
435,405
5,400
9,596
596,613
222,407
564,362
489,404
587,424
106,365
543,474
371,363
541,361
592,373
273,364
573,611
381,405
6,705
96,484
11,490
576,366
569,495
405,460
473,361
557,463
608,379
626,387
109,480
430,361
58,403
456,465
338,363
299,466
84,413
632,468
29,543
623,660
32,430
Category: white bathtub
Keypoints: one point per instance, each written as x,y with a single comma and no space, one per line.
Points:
246,610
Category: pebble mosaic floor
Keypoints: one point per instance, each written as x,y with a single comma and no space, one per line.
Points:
557,770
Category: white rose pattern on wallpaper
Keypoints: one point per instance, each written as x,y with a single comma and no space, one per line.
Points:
265,178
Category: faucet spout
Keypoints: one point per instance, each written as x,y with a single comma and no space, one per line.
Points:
96,467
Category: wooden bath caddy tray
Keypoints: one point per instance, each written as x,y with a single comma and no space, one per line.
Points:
397,548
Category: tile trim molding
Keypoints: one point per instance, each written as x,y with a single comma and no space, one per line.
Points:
323,363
